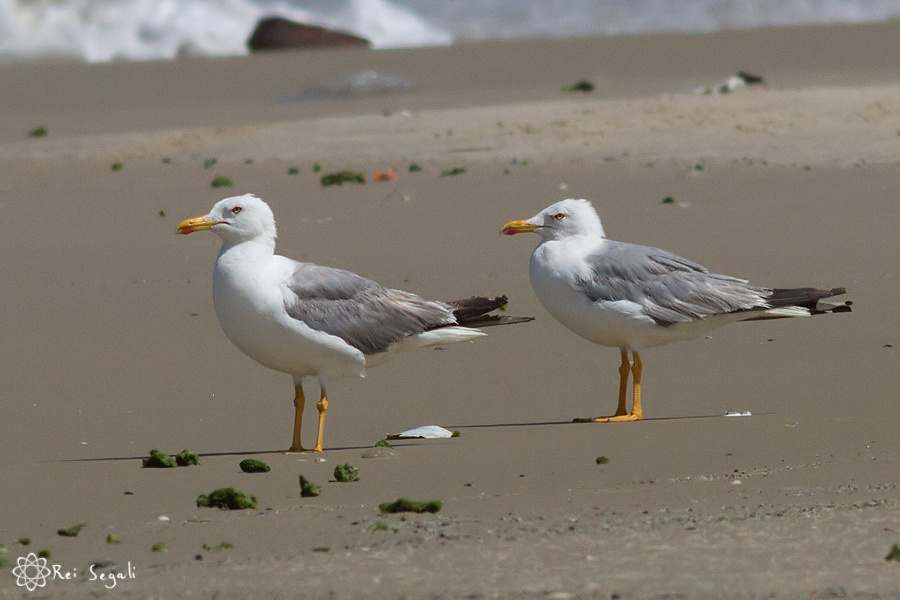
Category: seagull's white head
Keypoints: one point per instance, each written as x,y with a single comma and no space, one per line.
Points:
564,219
235,220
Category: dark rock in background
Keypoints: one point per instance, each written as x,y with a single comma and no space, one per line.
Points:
276,33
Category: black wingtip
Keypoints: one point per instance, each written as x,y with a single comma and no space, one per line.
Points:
817,301
492,320
838,306
473,312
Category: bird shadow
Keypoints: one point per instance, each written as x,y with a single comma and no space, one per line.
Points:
546,423
213,454
395,443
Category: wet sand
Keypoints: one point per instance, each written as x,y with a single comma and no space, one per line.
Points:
111,346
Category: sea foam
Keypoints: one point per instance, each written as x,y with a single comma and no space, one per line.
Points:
105,30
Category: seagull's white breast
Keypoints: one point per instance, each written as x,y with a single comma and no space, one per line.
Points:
249,289
555,270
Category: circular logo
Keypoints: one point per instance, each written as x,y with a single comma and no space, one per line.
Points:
31,572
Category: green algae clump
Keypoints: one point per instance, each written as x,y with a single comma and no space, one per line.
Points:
219,548
251,465
346,473
342,177
893,554
454,171
404,505
71,531
158,460
308,489
186,458
227,499
582,86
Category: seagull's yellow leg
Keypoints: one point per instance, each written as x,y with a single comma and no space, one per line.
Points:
299,403
624,369
322,406
621,414
636,369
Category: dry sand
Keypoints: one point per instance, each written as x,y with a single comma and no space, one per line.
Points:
110,345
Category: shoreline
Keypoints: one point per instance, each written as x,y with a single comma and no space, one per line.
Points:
843,127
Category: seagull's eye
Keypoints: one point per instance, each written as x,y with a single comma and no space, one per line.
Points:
236,210
559,216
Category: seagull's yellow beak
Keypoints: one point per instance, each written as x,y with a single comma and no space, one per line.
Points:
202,223
514,227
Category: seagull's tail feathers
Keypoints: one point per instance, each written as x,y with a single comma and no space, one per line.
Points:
445,335
470,314
785,312
434,337
803,302
449,334
473,312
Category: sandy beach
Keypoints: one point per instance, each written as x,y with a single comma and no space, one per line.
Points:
111,346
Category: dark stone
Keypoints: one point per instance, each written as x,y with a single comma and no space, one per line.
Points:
276,33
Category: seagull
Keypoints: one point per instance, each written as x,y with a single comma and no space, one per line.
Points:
633,297
319,322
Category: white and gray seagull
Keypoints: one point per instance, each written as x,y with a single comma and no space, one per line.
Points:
633,297
318,322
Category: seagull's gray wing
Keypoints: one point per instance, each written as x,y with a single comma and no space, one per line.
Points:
361,312
670,289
